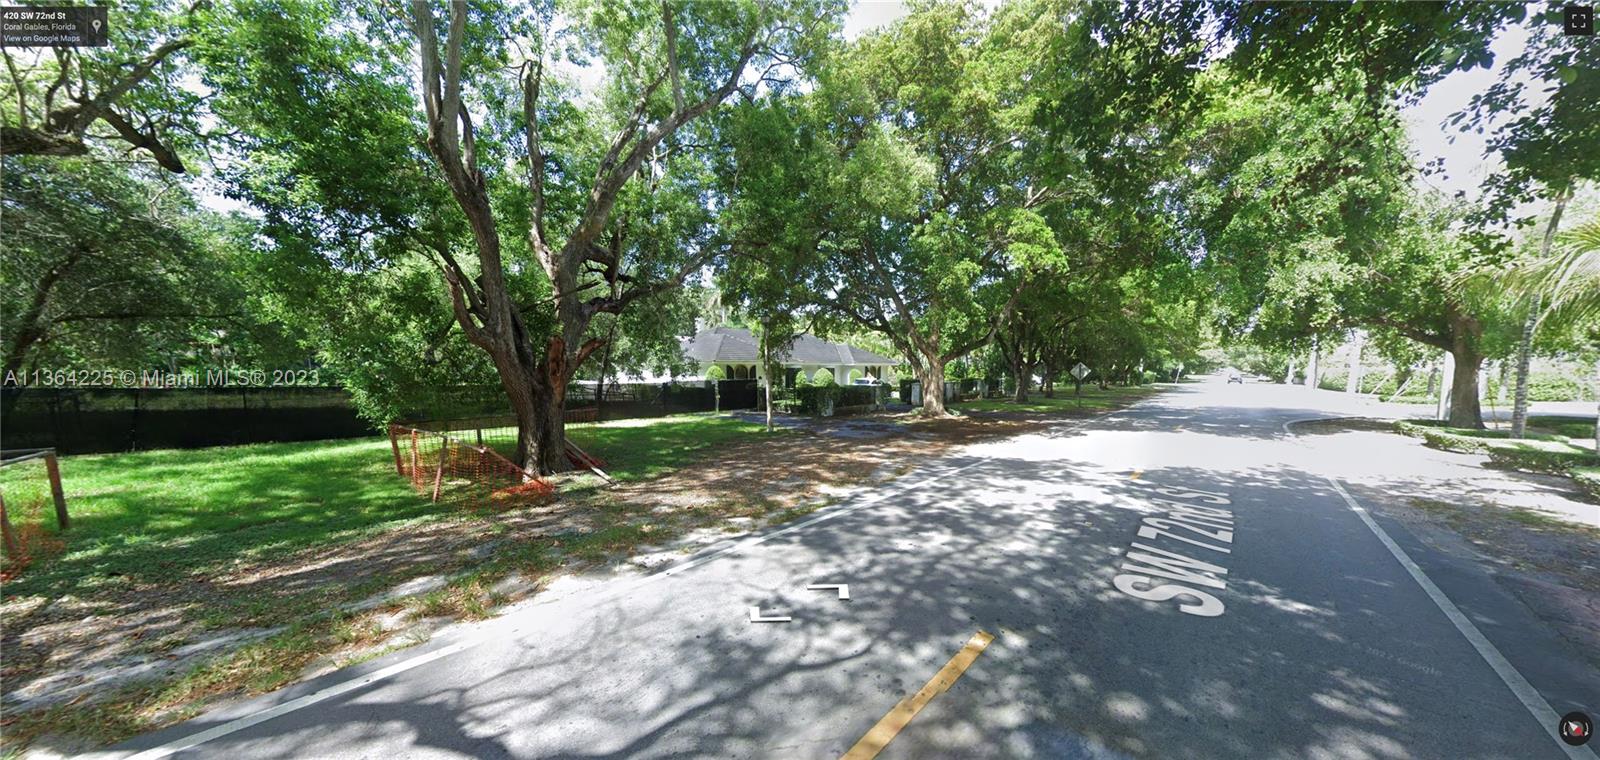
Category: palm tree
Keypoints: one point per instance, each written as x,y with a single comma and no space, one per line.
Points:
1566,281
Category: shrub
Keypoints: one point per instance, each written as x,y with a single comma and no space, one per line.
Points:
1588,479
1568,427
1437,436
716,373
815,398
1548,460
1546,387
823,377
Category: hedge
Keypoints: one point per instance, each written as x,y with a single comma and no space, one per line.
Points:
1543,453
1588,479
1439,437
813,399
1541,460
1570,427
1465,441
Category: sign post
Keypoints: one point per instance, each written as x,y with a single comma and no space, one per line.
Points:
1079,372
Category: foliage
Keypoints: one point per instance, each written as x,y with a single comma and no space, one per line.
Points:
1529,458
1566,282
128,96
1588,479
1543,117
817,398
1569,427
111,266
1536,453
1377,50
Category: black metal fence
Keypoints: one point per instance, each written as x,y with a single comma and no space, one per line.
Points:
74,421
87,421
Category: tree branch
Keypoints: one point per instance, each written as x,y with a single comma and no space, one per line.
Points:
672,55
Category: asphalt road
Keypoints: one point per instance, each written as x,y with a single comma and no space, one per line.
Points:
1291,630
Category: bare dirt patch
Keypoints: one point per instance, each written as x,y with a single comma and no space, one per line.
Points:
1551,565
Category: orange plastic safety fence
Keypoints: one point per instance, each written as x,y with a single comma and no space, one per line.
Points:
445,467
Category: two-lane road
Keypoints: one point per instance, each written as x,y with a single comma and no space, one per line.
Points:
1173,580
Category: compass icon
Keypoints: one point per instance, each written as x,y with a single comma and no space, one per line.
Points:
1576,728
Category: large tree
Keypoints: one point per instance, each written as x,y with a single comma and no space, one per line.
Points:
106,266
1311,225
1543,118
921,182
540,215
129,94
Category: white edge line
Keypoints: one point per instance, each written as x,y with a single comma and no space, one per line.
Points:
1509,675
239,724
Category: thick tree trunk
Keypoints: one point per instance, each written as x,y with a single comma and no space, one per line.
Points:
1464,409
1024,376
549,437
529,403
932,377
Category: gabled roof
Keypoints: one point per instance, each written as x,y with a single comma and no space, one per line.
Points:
736,344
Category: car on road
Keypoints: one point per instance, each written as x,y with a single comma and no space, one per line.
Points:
1234,377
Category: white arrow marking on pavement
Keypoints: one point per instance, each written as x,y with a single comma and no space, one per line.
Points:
844,589
757,617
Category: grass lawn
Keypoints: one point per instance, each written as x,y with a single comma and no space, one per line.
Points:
163,516
1093,398
644,448
160,516
1569,427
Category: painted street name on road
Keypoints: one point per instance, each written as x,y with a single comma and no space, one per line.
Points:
1181,526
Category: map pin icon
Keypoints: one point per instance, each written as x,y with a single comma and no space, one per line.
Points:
96,24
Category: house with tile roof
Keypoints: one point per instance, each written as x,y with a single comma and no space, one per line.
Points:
738,353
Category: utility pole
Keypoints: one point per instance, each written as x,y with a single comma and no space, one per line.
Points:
1445,378
1352,382
1314,367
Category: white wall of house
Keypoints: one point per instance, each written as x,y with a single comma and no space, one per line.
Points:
841,372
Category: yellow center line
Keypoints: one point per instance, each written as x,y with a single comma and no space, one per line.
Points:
898,718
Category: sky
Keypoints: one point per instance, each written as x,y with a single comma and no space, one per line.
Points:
1465,165
1463,152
